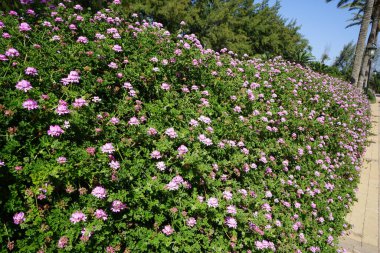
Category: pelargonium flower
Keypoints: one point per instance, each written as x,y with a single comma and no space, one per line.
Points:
161,166
24,27
82,39
113,65
18,218
78,7
165,86
207,141
171,133
24,85
55,130
191,222
117,48
231,222
3,58
31,71
79,102
114,121
182,150
151,131
11,52
156,154
100,214
77,217
193,122
114,164
62,242
30,104
212,202
205,119
117,206
168,230
172,186
227,195
133,121
56,38
62,108
108,148
99,192
73,77
231,209
61,160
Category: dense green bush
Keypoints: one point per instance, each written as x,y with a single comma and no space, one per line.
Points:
117,136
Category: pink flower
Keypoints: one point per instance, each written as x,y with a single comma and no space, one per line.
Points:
191,222
24,27
12,52
61,160
113,65
79,102
30,104
117,206
155,154
73,77
171,133
99,192
114,164
133,121
182,150
55,130
165,86
78,7
231,222
172,186
231,209
114,121
205,119
108,148
24,85
90,150
77,217
100,214
18,218
193,122
62,108
202,138
151,131
212,202
227,195
82,39
168,230
161,166
31,71
117,48
62,242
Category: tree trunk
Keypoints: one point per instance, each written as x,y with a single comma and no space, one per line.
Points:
360,45
372,39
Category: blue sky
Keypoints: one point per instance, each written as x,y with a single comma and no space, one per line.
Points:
323,24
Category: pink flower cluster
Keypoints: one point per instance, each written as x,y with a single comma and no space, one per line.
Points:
73,77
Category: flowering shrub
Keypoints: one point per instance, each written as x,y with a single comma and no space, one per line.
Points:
117,136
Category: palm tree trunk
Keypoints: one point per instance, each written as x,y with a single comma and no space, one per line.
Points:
360,45
372,39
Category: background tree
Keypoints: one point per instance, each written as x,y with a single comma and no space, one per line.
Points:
361,43
345,59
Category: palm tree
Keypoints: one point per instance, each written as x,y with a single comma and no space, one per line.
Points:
372,39
361,43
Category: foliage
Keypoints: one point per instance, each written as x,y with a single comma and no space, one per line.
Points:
239,25
345,59
374,82
117,136
371,96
